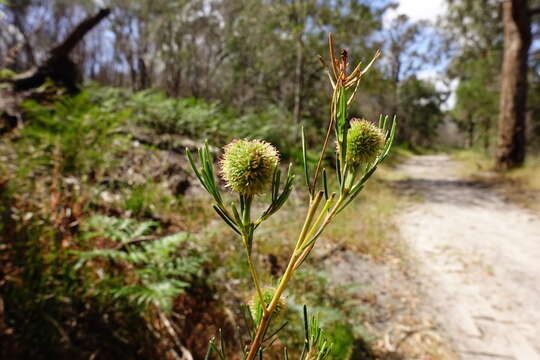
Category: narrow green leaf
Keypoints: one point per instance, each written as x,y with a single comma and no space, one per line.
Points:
342,114
304,160
276,331
226,219
390,139
242,203
325,184
195,170
338,169
385,123
306,326
209,352
237,216
276,183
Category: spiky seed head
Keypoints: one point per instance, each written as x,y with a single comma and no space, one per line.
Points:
255,305
365,141
247,166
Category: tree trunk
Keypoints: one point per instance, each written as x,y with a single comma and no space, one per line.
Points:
470,133
517,41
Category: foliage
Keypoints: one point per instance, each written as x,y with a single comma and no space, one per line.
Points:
198,119
48,310
477,100
73,130
187,116
339,313
158,272
227,54
72,281
476,64
421,110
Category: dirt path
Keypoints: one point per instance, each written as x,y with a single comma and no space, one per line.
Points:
479,261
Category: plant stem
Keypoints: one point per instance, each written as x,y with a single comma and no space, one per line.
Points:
318,221
314,204
287,275
261,329
329,217
255,279
247,239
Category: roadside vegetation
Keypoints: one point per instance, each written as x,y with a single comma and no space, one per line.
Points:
521,185
104,228
109,245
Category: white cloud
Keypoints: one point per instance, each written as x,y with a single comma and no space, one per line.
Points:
418,10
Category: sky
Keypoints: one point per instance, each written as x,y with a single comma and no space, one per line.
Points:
421,9
425,10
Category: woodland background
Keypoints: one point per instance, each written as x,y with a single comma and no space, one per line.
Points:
107,246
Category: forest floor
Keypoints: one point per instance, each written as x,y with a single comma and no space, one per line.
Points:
477,258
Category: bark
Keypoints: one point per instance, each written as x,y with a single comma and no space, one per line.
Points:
517,41
59,67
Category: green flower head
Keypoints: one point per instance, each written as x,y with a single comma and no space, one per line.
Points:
365,142
256,308
247,166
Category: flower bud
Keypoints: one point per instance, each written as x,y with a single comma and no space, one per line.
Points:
256,308
247,166
365,142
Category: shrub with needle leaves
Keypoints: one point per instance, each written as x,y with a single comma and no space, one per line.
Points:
251,167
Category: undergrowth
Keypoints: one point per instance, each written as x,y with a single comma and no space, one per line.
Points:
103,257
521,185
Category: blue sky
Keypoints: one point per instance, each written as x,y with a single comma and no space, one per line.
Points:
426,10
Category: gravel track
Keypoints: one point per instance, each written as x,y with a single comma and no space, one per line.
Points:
478,258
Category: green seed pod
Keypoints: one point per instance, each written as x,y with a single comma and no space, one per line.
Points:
256,308
365,142
247,166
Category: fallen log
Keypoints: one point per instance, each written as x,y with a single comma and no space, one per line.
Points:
58,66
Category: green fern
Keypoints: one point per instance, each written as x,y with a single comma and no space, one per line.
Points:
118,229
158,270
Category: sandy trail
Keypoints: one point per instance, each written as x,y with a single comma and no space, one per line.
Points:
479,261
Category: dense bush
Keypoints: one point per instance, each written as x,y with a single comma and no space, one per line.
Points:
198,119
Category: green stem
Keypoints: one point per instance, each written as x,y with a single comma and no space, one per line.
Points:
317,222
329,217
255,279
247,239
287,275
309,218
261,329
248,199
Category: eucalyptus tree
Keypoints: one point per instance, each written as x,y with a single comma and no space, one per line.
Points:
518,18
475,43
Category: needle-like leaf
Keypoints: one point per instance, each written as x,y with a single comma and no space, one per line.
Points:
304,159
